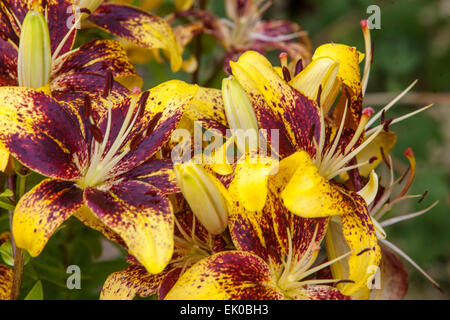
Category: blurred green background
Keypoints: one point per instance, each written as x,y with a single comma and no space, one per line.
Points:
413,43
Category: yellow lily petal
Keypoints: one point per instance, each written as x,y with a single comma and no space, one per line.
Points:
321,72
139,27
231,275
42,210
370,190
308,194
348,58
251,176
125,284
385,140
4,158
141,215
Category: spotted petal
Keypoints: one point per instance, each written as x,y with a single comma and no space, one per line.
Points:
132,281
42,210
8,65
233,275
139,27
6,282
141,215
35,127
157,172
355,232
319,293
277,105
266,233
98,57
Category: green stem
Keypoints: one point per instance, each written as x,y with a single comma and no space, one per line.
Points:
19,256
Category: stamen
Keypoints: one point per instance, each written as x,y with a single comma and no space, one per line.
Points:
412,161
284,59
96,133
390,104
411,261
423,196
87,107
298,67
369,55
108,84
286,74
404,217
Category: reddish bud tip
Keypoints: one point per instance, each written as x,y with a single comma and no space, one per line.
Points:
408,153
368,112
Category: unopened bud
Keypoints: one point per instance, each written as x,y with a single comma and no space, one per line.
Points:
34,61
203,193
238,108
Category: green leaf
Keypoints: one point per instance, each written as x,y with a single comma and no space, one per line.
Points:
6,206
6,253
36,293
6,193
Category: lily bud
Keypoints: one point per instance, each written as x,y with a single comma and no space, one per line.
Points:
321,72
238,108
204,195
34,61
91,5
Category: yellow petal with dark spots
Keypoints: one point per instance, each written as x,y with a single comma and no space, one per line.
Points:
385,140
132,281
139,27
4,158
141,215
232,275
6,282
42,210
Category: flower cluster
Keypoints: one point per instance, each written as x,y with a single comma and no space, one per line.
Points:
285,205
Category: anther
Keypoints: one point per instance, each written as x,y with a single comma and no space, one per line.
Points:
319,93
363,251
108,84
286,74
423,196
87,107
298,67
96,132
374,158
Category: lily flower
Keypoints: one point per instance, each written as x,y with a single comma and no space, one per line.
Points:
36,52
100,167
244,30
192,244
275,256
